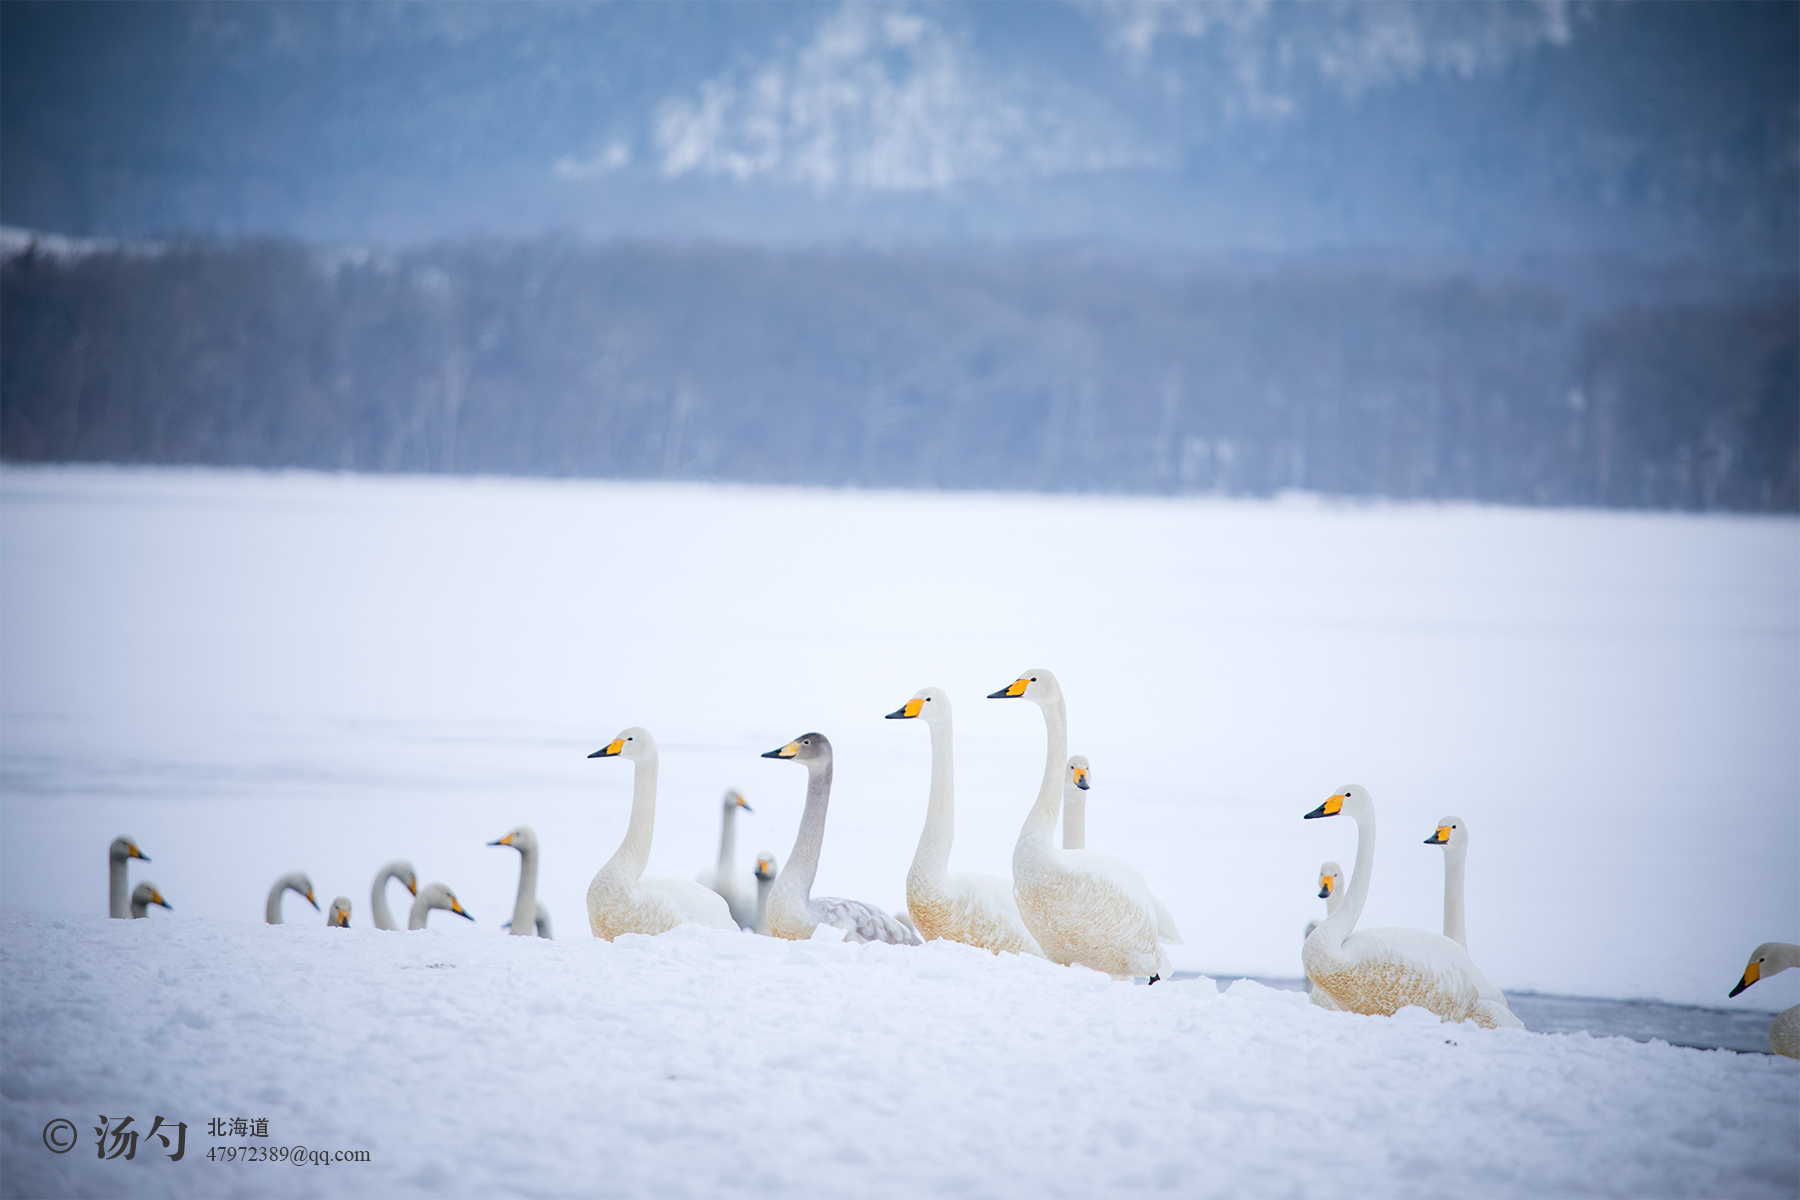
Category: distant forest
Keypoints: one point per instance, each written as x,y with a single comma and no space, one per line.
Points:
1047,369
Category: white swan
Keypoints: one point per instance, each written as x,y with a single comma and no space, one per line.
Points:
118,899
1379,971
1074,811
398,869
1331,891
1772,958
1082,907
735,884
338,915
1452,833
794,912
620,900
143,896
293,881
978,910
765,883
528,916
434,895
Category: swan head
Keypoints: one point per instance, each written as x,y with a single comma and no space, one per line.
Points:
809,748
734,799
145,894
765,866
298,882
521,839
1450,831
339,916
634,743
1080,774
436,895
1770,958
403,871
1331,880
1039,686
1352,798
124,847
928,704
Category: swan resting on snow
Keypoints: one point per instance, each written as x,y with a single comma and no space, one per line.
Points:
338,915
1772,958
736,885
293,881
1074,813
122,851
977,910
620,899
794,912
1377,972
143,896
765,882
528,916
398,869
1331,891
1082,907
434,895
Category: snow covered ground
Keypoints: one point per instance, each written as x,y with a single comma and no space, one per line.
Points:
704,1063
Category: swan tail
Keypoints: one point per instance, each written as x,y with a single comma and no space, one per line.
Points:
1165,924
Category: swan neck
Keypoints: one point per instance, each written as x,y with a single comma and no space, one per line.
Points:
1040,825
119,894
272,910
1454,857
728,841
628,861
931,862
1343,921
421,909
803,863
1074,818
378,905
524,918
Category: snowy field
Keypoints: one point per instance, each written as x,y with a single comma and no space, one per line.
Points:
256,673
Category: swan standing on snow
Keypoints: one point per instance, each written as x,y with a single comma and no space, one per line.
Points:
1331,891
794,912
528,916
338,915
1772,958
765,882
122,851
1453,835
398,869
293,881
434,895
620,899
143,896
978,910
737,886
1379,971
1082,907
1074,813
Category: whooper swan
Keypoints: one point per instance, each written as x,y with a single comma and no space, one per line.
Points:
338,915
1452,833
1331,890
434,895
118,898
528,916
1772,958
378,906
1074,813
293,881
727,878
765,883
143,896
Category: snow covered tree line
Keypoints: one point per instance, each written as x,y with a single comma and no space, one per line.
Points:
1040,369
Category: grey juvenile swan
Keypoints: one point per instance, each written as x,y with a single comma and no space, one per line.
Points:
793,911
434,895
727,878
528,916
144,896
398,869
338,916
124,849
293,881
1074,814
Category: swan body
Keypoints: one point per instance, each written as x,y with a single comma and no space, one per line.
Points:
1377,972
1331,890
434,895
338,916
620,899
293,881
1772,958
143,896
1074,813
378,906
735,884
121,852
1452,834
765,882
794,912
1083,907
977,910
528,917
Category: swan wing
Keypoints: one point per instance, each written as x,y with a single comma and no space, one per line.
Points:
977,910
690,901
864,922
1381,970
1165,924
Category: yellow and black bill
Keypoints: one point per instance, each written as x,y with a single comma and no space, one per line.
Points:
457,908
1752,973
909,709
787,751
412,885
1081,778
311,901
1440,838
1011,691
507,840
610,750
132,851
743,803
156,897
1332,807
1324,887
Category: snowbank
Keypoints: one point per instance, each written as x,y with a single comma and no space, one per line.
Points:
703,1063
